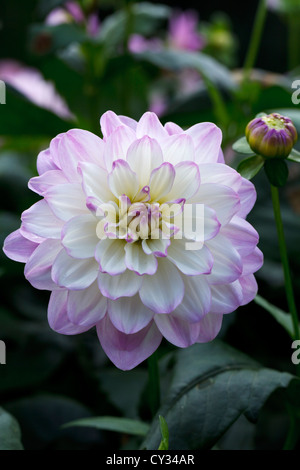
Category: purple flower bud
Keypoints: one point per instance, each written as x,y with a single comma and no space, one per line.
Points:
271,136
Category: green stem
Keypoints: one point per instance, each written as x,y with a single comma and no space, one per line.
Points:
293,432
285,262
218,102
255,38
154,384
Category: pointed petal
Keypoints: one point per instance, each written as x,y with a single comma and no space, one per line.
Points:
253,262
110,255
247,194
122,180
243,236
127,351
66,201
249,288
109,122
117,145
45,162
86,307
190,262
177,330
200,222
74,274
57,315
143,156
178,148
129,315
40,220
207,139
79,236
228,264
126,284
210,327
161,181
77,146
186,183
222,199
95,182
226,298
158,247
18,248
150,125
164,291
38,267
40,184
173,128
220,174
196,301
138,261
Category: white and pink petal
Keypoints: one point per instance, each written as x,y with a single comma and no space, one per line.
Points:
57,315
40,220
127,351
110,254
74,274
126,284
79,236
86,307
18,248
38,267
164,291
129,315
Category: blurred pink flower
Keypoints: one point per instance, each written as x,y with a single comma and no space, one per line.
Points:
32,84
58,16
72,11
183,32
138,43
103,239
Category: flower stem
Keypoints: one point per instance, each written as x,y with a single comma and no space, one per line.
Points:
154,383
285,262
255,38
293,432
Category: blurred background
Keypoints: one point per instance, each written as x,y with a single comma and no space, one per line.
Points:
64,64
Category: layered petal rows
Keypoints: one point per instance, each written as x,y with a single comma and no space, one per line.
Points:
141,234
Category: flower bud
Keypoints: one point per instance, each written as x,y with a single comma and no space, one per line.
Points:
271,136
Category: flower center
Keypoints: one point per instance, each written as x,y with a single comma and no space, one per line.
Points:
140,221
274,122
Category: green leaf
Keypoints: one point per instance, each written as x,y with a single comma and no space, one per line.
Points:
242,146
283,318
164,445
20,117
249,167
112,423
174,60
10,434
145,19
212,386
294,156
55,37
277,171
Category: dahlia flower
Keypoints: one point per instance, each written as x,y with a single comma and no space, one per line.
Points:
271,135
119,241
